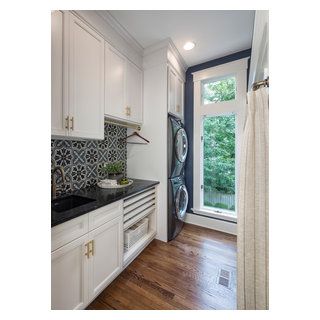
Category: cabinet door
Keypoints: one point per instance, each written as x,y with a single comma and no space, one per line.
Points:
69,276
171,91
86,81
134,92
107,258
58,114
115,65
179,97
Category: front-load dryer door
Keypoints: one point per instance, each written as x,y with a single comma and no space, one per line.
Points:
181,145
181,202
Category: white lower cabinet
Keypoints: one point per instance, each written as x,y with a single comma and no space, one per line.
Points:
69,276
88,251
83,267
106,260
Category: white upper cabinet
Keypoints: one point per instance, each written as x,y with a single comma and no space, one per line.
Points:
115,69
90,79
171,91
175,93
134,93
57,111
86,81
77,108
179,97
123,88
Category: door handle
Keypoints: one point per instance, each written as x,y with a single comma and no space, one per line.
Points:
67,122
91,247
72,123
87,253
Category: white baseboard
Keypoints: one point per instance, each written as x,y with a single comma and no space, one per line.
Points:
211,223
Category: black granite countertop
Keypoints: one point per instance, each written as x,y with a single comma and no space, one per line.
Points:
102,198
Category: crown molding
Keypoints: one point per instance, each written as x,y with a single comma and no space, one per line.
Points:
169,45
177,55
122,31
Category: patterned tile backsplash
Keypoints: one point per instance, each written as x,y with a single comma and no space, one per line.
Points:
82,160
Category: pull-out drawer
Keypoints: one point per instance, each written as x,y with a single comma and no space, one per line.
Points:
139,206
68,231
105,214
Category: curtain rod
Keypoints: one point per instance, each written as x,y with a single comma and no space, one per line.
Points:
258,84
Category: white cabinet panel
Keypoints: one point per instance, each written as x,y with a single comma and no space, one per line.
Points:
57,111
86,81
107,258
123,88
179,97
102,215
134,92
69,276
175,94
68,231
115,67
171,91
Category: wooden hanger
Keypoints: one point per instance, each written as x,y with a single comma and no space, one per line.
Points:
139,136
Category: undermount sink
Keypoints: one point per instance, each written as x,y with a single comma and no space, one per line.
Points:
69,202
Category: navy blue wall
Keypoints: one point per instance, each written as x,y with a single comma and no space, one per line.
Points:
188,111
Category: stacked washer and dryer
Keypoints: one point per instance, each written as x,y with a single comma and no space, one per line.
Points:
177,191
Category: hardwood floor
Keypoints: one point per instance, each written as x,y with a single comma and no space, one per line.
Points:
181,274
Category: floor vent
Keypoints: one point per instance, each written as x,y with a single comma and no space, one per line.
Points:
224,278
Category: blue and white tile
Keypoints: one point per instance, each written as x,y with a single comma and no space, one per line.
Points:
63,156
79,144
79,185
79,157
78,173
92,144
103,144
102,156
91,156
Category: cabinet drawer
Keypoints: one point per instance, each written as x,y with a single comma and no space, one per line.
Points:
68,231
104,214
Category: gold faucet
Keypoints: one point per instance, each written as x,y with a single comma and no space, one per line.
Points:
54,188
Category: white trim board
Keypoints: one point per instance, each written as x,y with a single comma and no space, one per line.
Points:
237,68
123,32
221,70
211,223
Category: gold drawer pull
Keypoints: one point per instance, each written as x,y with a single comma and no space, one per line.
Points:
92,247
87,253
67,122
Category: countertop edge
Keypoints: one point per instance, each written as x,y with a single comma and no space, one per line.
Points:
74,213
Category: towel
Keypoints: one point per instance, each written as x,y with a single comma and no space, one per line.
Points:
109,182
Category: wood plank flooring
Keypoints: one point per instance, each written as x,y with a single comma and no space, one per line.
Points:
181,274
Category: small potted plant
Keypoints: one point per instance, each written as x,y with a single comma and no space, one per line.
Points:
113,170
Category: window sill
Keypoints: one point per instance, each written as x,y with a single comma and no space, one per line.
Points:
223,215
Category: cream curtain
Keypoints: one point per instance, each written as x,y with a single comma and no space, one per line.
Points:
253,206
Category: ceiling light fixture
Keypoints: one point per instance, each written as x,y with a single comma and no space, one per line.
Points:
189,45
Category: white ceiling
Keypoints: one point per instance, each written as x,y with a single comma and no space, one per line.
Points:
216,33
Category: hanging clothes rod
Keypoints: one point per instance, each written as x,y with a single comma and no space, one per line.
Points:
258,84
139,136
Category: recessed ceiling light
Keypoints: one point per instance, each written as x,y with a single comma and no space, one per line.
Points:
189,45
